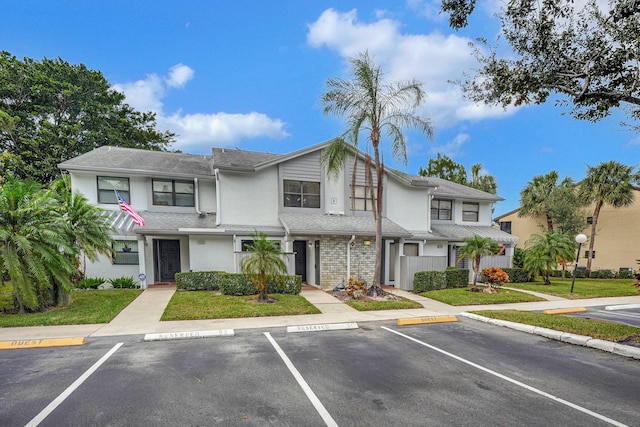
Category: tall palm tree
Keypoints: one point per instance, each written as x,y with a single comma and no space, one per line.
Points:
264,262
473,249
545,251
610,183
88,225
35,251
535,197
372,105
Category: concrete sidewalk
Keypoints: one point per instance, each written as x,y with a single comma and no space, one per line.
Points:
142,316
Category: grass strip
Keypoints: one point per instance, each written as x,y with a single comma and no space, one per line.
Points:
373,305
583,288
594,328
463,296
87,307
194,305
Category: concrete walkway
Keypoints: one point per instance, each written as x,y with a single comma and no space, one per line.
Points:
142,316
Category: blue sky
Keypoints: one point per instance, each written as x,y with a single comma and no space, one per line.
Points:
249,74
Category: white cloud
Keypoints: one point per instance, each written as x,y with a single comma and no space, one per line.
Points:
196,132
434,59
452,148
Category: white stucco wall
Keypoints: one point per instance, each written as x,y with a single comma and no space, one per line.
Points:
407,207
211,253
484,215
334,194
249,199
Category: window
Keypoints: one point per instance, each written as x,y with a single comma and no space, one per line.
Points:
441,209
362,200
470,211
586,254
589,220
167,192
126,252
106,185
301,194
246,243
505,226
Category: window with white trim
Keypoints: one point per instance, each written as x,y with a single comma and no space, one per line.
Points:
470,211
106,185
441,209
168,192
301,194
362,198
125,252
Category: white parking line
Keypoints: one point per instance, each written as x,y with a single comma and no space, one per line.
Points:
77,383
511,380
328,419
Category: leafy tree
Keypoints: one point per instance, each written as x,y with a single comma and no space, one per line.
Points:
444,167
585,52
35,251
557,202
610,183
88,226
473,249
264,262
51,111
545,251
372,105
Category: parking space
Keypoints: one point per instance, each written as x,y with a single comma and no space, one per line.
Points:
627,314
465,373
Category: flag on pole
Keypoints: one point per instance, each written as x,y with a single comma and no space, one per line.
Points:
139,221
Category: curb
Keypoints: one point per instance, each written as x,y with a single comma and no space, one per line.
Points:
585,341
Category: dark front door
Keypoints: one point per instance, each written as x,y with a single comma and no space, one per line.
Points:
167,259
300,249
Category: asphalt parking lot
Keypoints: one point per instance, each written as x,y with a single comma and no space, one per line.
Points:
627,314
465,373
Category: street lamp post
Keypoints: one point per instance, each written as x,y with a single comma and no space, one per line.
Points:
580,239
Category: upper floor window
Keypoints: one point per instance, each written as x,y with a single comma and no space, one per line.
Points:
505,226
470,211
246,244
106,185
301,194
362,198
167,192
441,209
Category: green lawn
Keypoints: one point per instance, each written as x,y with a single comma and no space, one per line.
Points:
463,296
193,305
87,306
583,288
576,325
371,305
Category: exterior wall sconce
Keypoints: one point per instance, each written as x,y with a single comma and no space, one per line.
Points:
367,242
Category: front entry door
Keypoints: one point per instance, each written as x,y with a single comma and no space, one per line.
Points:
167,259
300,249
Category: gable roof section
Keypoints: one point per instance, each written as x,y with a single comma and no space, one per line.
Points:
339,225
140,162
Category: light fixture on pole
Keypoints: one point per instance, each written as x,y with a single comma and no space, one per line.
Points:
580,239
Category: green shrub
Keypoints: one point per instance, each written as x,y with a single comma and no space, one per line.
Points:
429,280
594,274
241,284
285,285
124,282
91,282
198,281
606,274
457,277
518,275
625,273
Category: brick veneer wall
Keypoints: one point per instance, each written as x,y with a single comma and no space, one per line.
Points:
333,260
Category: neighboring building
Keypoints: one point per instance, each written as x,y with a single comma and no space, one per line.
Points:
616,233
201,211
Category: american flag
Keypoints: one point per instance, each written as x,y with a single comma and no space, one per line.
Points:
126,207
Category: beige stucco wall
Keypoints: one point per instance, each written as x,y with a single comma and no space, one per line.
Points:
617,241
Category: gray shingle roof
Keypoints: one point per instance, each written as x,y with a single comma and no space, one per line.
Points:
141,162
225,158
448,188
339,225
461,232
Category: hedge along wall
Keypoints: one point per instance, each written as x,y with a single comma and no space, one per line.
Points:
235,283
431,280
518,275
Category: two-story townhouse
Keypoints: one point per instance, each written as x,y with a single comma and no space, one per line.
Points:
201,211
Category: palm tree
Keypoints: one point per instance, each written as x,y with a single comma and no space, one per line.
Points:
545,251
264,262
473,249
610,183
89,227
535,197
370,104
35,251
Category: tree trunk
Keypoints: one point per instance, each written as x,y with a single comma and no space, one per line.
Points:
377,206
592,238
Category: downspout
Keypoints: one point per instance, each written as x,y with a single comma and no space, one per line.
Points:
197,194
216,172
353,238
